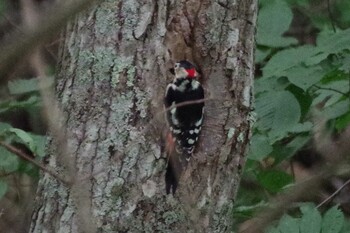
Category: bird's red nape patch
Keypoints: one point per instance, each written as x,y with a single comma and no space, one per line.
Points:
192,73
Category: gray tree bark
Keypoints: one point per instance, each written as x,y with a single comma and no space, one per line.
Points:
111,79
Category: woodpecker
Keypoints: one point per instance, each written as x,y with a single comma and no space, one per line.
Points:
184,119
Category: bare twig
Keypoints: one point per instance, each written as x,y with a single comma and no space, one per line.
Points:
26,157
185,103
333,194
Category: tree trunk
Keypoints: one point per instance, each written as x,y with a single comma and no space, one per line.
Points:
111,80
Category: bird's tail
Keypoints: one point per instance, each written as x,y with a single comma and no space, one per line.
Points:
177,160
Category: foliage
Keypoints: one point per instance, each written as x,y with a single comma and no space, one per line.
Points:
24,96
294,81
311,221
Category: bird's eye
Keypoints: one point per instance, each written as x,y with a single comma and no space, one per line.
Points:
177,65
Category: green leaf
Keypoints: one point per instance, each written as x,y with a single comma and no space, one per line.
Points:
35,143
287,59
14,104
3,189
261,54
307,55
278,113
270,84
310,221
333,221
328,43
24,137
334,74
283,151
274,180
298,142
273,20
337,109
8,161
330,91
4,126
273,230
288,225
23,86
306,206
343,121
259,148
299,128
345,63
346,227
304,99
40,144
305,77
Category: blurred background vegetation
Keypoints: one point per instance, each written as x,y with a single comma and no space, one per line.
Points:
302,87
302,107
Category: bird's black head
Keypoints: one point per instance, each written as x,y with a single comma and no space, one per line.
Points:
185,64
183,69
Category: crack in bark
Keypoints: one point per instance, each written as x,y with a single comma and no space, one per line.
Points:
109,110
93,158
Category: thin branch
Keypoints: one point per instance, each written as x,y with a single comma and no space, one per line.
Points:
185,103
26,157
190,102
21,43
334,194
